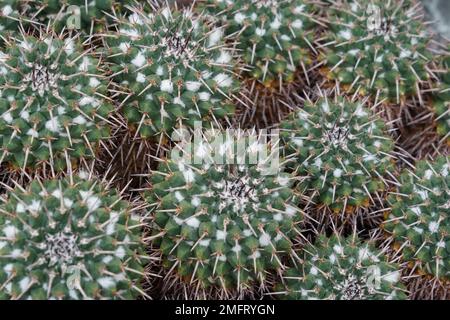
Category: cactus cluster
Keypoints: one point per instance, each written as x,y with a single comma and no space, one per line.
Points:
227,225
171,67
275,37
340,268
339,151
348,199
419,220
375,49
69,239
53,106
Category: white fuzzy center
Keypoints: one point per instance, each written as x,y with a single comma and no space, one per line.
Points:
41,79
61,248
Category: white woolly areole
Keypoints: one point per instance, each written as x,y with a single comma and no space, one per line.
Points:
7,10
215,37
264,240
139,60
239,18
167,86
53,125
223,80
193,86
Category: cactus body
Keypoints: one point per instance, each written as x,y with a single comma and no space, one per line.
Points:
441,103
419,220
376,49
274,36
340,268
339,152
52,106
63,239
173,68
223,225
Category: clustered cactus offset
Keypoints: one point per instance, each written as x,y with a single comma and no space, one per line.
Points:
70,14
275,37
340,268
419,220
69,239
9,16
172,67
375,48
340,152
227,225
53,107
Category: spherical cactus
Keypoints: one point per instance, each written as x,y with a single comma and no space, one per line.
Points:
419,220
52,102
80,15
172,68
375,49
226,225
69,239
340,268
275,37
339,152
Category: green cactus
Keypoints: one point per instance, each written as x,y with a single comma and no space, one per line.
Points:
275,37
419,220
441,102
224,225
384,58
69,239
52,102
174,68
340,268
339,152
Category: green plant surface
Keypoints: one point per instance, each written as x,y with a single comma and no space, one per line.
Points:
419,220
172,68
339,268
339,152
52,102
69,239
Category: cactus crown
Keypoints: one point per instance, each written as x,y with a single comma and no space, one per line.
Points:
223,224
340,268
68,239
274,36
52,106
174,68
419,220
339,151
376,49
